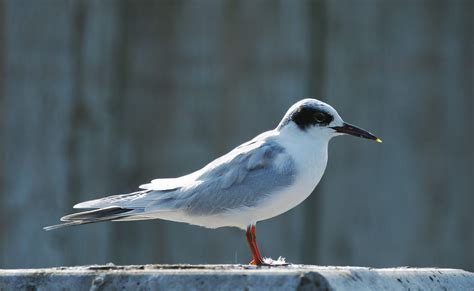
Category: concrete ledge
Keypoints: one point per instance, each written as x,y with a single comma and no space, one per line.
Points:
231,277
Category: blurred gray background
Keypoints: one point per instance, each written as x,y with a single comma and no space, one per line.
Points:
97,97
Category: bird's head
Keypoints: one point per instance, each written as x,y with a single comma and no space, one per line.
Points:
319,120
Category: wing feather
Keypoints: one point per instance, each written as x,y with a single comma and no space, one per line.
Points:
122,200
241,178
168,184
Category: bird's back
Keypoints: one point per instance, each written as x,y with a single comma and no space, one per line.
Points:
241,179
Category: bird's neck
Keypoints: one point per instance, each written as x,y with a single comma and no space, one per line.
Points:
309,152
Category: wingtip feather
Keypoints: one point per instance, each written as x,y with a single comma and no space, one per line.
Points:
61,225
85,205
145,186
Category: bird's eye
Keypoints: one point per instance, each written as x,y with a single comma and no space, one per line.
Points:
319,117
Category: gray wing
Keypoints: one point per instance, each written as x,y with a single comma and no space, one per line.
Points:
242,178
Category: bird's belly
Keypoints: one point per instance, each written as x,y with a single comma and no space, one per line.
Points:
309,173
274,204
284,200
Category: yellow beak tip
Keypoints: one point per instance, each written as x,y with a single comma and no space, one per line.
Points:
378,140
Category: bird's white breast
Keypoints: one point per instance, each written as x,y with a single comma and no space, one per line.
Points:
310,158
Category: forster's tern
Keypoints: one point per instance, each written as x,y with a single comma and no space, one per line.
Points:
258,180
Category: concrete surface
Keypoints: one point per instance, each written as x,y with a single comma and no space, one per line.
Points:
234,277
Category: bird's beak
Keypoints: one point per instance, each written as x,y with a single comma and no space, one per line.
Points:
355,131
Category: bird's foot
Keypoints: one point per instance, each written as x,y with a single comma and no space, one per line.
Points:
269,262
258,262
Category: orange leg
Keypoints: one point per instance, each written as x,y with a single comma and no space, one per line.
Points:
251,240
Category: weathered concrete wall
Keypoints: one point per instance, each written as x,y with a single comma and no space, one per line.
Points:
234,277
97,97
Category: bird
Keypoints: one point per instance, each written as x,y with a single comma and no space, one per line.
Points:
259,179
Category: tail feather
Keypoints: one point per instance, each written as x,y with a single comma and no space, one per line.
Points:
92,216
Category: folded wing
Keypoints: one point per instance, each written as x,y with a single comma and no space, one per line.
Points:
242,178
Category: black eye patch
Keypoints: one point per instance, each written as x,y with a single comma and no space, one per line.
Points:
322,118
311,116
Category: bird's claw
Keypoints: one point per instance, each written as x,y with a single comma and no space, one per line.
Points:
269,262
258,262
